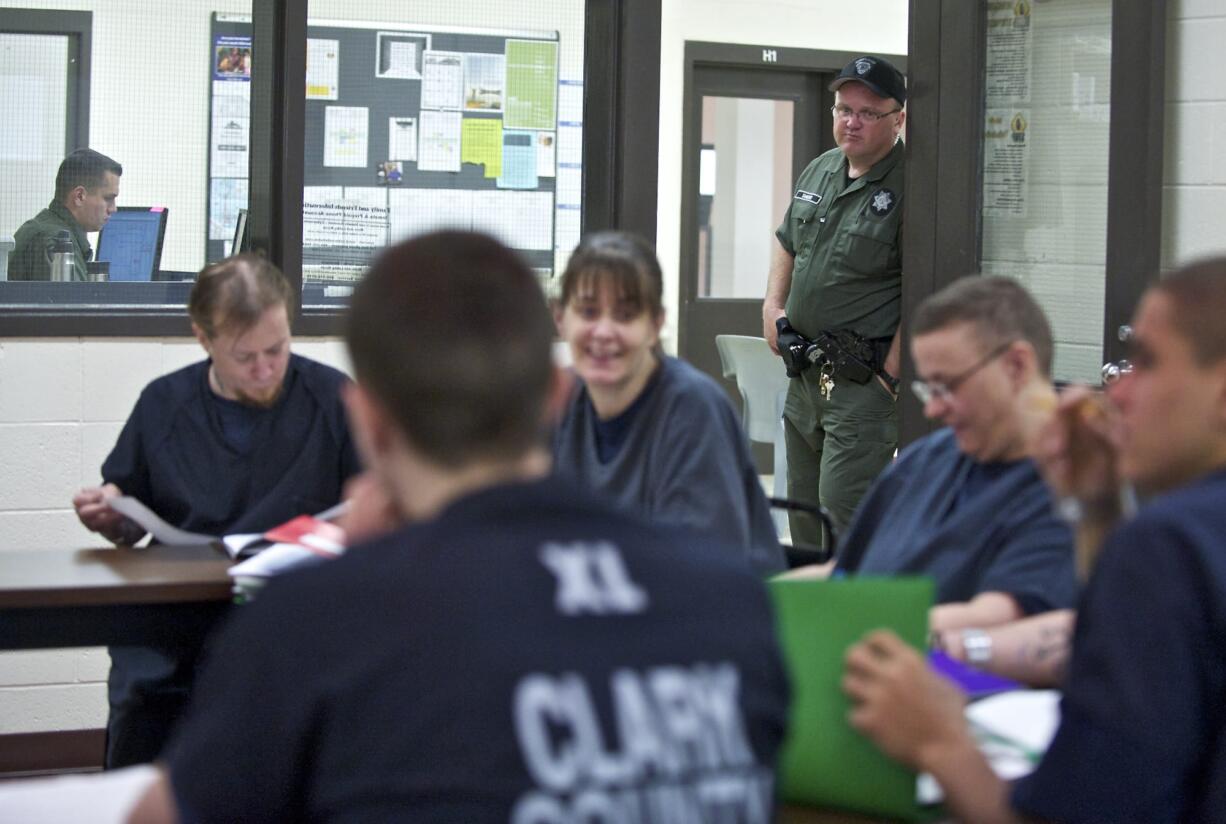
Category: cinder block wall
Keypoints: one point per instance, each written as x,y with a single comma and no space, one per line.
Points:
1194,190
62,404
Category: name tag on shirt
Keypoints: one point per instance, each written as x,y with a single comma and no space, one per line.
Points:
808,197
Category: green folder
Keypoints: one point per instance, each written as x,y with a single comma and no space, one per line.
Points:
825,762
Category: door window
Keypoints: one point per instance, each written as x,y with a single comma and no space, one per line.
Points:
745,175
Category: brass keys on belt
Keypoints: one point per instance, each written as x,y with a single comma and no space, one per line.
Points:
826,382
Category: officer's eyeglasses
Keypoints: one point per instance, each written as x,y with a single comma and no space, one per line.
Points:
944,390
846,113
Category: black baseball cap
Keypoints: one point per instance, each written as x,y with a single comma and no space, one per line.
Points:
878,74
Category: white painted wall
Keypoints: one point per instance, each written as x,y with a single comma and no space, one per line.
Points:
1194,180
866,26
62,404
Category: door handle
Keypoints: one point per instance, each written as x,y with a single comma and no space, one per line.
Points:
1112,372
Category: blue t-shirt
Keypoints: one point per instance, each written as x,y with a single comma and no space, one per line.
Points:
173,452
972,527
529,655
683,460
1142,736
612,433
238,421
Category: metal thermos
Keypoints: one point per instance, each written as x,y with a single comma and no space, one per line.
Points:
62,254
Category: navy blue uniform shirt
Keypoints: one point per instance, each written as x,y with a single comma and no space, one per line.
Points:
972,527
1142,736
173,453
529,655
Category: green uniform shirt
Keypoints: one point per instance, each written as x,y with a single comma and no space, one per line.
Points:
31,255
848,247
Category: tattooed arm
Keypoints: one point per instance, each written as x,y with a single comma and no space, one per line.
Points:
1034,650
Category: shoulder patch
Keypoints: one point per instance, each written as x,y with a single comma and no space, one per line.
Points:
882,202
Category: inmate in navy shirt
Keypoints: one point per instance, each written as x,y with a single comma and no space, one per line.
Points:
1142,736
972,527
529,655
173,453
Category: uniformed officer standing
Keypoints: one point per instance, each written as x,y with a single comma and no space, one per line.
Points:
837,269
85,190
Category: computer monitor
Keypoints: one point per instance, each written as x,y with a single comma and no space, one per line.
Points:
239,244
131,241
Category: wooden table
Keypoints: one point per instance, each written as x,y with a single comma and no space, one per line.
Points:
158,596
792,814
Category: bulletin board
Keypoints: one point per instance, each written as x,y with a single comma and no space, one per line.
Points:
408,129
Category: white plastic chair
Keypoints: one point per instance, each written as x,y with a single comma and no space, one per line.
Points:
763,384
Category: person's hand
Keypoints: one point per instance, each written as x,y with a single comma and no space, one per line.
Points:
903,707
371,512
949,641
770,314
886,384
97,516
1077,451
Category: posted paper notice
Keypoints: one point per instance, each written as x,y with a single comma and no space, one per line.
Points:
402,138
442,80
482,144
323,69
532,85
345,136
438,145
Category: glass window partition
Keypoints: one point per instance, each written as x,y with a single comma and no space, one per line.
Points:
136,82
1047,110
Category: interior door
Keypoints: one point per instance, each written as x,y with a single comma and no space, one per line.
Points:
749,132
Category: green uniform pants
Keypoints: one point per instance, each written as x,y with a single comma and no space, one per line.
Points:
835,447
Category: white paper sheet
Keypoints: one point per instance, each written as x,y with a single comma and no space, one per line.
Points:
344,223
277,559
570,144
417,211
101,798
320,194
231,144
569,184
442,80
161,531
484,82
1013,730
521,220
345,136
398,54
235,544
401,59
226,196
372,196
402,138
567,230
570,101
231,99
323,69
438,144
546,153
